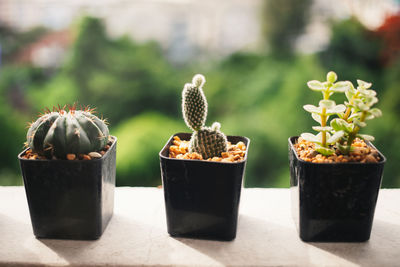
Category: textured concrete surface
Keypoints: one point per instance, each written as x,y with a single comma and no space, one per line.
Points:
137,236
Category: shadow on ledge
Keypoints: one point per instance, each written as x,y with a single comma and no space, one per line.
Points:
124,241
258,243
383,247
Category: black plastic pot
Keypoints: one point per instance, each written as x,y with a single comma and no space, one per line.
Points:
334,202
70,199
202,197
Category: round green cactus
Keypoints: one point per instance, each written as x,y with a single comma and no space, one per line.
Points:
62,132
209,142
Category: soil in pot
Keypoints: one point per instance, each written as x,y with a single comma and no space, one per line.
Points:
70,198
201,196
362,153
180,150
334,198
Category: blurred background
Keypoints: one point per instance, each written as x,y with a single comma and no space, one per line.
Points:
130,59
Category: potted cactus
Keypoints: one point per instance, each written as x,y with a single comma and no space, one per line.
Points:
336,174
202,173
68,170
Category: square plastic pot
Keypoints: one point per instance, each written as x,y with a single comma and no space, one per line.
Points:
70,199
334,202
202,197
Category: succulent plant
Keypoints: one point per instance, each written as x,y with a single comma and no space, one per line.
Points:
351,116
207,141
61,132
358,109
325,109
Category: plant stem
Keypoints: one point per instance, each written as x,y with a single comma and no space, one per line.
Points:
348,110
354,133
347,114
323,124
323,119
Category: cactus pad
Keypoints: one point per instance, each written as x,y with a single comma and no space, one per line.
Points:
209,142
194,103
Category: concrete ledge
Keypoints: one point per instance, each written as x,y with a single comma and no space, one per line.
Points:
137,236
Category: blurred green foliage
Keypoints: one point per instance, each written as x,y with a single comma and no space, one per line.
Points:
282,22
353,51
140,139
256,95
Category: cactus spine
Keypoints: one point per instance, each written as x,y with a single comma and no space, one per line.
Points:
59,133
207,141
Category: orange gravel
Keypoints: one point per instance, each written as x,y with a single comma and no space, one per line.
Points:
180,150
29,154
362,153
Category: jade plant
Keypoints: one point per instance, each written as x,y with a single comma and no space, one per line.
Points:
207,141
351,115
61,132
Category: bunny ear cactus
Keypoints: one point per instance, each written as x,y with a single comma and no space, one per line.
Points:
351,116
207,141
62,132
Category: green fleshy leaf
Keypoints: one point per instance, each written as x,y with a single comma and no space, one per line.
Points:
342,148
335,137
363,107
322,128
312,109
354,116
370,101
360,123
324,150
376,112
316,85
369,117
317,117
357,102
331,77
340,87
310,137
341,125
349,94
366,137
363,84
337,109
327,104
368,93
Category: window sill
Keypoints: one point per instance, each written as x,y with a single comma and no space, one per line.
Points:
137,235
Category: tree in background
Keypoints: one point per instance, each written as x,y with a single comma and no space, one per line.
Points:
353,51
255,95
389,32
11,41
120,77
282,22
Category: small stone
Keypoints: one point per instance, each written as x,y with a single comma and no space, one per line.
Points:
371,159
86,157
312,154
71,156
95,155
